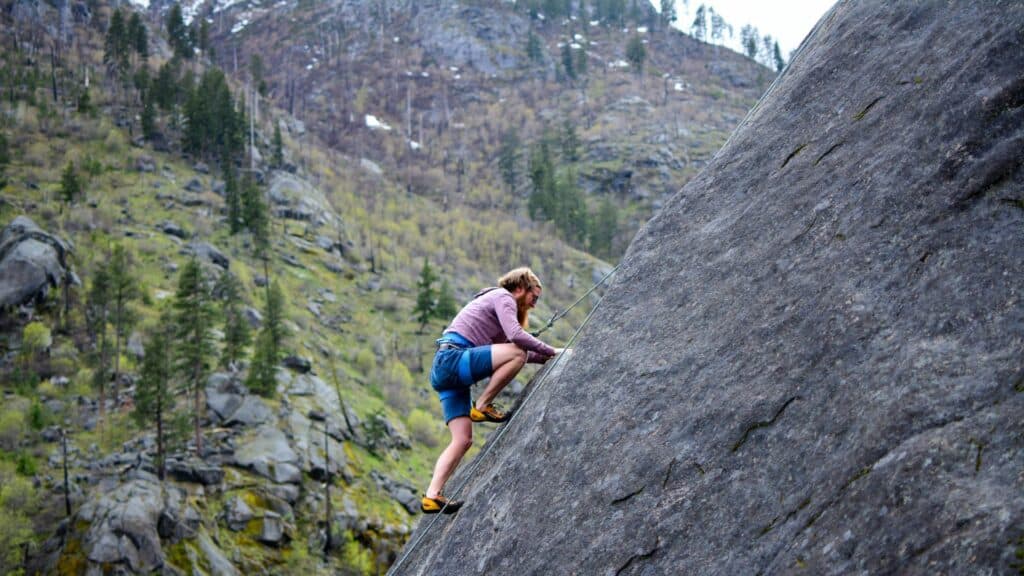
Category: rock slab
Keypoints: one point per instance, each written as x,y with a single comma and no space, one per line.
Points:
810,360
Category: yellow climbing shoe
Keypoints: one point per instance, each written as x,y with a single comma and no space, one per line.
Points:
438,504
488,414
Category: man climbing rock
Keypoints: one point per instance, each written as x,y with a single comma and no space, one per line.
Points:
486,338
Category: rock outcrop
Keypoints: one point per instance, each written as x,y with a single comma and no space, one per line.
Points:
810,360
31,263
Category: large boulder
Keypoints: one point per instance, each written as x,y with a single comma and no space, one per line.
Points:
123,527
810,360
269,454
31,263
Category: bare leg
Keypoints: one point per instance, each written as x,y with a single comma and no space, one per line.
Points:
506,360
462,438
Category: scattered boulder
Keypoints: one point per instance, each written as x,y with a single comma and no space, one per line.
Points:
123,527
145,163
269,454
237,514
195,471
273,530
194,185
401,492
297,364
254,317
31,263
208,252
172,229
201,167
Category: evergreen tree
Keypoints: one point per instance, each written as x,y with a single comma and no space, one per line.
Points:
534,50
193,322
780,63
203,37
278,151
138,38
5,159
749,40
568,62
581,61
446,308
508,159
256,74
636,54
269,343
236,327
273,323
668,13
604,229
213,124
570,142
70,183
165,87
767,49
699,27
256,215
97,313
177,33
426,297
262,377
148,116
117,44
542,181
153,398
123,290
233,198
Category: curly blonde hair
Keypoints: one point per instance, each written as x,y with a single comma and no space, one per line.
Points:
520,278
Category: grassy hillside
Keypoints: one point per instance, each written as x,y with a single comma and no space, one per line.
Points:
354,323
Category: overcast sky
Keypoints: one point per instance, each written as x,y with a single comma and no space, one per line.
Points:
788,22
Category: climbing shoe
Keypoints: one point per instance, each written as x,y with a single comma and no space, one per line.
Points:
438,503
488,414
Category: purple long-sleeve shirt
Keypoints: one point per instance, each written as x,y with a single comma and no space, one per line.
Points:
490,318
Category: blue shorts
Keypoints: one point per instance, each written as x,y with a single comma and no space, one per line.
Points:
455,370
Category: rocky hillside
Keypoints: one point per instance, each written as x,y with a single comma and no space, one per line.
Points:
810,360
446,82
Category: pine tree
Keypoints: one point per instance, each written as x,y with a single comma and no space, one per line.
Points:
699,27
263,368
534,51
426,297
236,328
581,61
177,33
568,62
542,181
570,142
604,229
165,87
153,398
278,148
97,314
508,159
233,199
5,159
668,13
70,184
269,343
123,290
256,74
117,44
780,63
749,39
636,54
138,38
447,307
148,116
193,321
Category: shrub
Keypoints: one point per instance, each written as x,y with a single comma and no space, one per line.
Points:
365,361
423,427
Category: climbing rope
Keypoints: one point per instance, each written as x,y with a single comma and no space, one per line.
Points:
559,315
501,431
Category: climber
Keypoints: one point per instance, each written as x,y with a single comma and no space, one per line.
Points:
486,338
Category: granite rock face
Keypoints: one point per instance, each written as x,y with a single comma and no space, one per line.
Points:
31,262
810,360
